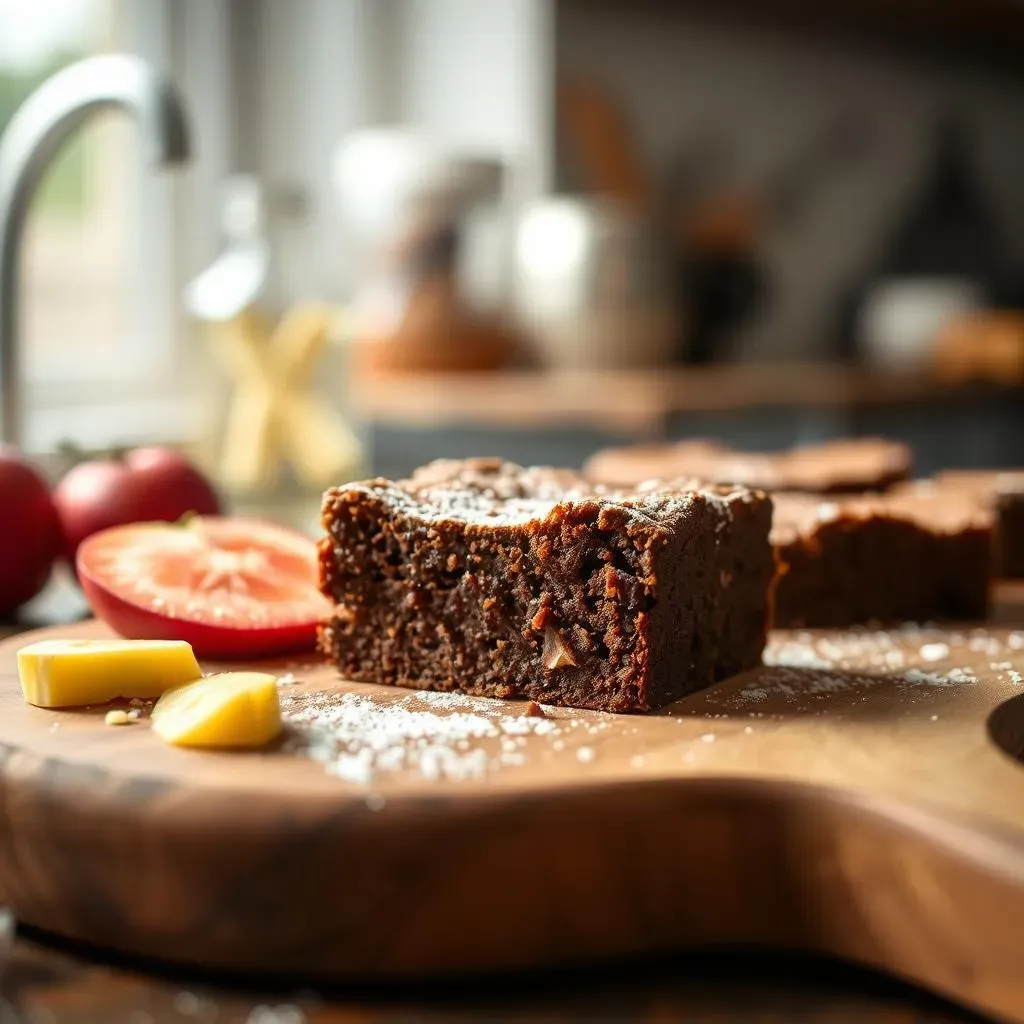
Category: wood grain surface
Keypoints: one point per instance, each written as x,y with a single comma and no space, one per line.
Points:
858,797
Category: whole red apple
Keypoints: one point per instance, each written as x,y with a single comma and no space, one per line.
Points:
148,484
30,536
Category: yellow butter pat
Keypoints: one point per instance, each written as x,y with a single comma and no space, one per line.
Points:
70,673
229,709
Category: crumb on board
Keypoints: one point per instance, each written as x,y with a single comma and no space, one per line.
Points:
117,717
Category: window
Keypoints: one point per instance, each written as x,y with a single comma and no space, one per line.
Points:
102,342
76,299
270,88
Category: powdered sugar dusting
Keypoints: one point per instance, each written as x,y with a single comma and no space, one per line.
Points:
811,665
804,683
866,651
493,493
796,654
954,677
435,736
935,652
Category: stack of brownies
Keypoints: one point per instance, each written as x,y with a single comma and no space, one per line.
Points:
855,541
654,573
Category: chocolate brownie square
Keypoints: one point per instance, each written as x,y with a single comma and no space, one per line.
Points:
495,580
837,467
908,557
1001,491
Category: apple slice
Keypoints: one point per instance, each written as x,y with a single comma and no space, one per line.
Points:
237,710
233,588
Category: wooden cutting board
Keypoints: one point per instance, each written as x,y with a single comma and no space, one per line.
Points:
860,796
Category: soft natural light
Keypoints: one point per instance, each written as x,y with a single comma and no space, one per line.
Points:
32,31
77,306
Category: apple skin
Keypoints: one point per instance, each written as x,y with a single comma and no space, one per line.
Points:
147,485
141,582
30,534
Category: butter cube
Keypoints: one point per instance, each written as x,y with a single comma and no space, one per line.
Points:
70,673
229,709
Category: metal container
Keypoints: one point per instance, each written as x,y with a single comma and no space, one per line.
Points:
593,286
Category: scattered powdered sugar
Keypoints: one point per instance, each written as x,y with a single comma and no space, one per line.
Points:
802,683
954,677
985,643
438,736
861,650
288,679
896,654
816,684
528,726
796,654
934,652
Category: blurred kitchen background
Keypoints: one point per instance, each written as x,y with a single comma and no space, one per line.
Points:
532,228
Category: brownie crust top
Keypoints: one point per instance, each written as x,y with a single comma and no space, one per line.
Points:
492,493
798,516
856,464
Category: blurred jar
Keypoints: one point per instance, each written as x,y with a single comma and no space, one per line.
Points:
593,287
902,319
408,204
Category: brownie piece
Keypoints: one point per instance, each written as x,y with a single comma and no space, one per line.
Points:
837,467
883,558
1003,493
488,578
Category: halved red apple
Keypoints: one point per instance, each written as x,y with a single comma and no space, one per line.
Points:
231,587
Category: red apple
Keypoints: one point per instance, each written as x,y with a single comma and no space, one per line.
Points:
30,537
232,588
148,484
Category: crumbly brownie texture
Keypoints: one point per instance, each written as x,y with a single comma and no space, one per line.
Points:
907,557
838,467
491,579
1002,492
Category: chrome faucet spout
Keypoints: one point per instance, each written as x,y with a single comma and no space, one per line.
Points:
34,135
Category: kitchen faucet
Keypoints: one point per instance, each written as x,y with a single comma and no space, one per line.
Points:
33,137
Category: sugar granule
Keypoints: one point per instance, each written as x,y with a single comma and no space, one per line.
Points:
934,652
436,736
